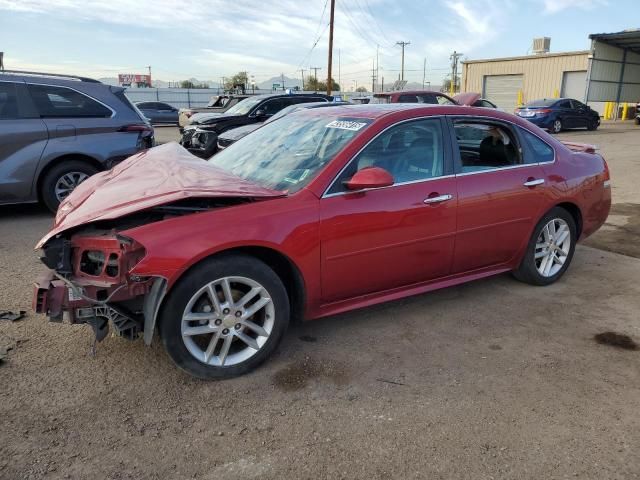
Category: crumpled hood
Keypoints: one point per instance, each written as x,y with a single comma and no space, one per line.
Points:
467,98
148,179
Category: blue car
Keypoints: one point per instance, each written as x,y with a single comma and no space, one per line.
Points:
557,114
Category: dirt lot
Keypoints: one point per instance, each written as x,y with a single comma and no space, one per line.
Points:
489,380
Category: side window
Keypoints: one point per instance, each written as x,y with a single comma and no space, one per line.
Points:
442,100
486,146
273,106
564,104
60,102
539,151
577,105
429,98
408,99
411,151
8,101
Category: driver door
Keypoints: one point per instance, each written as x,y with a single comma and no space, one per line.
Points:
379,239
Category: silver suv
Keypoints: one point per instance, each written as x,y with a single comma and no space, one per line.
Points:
56,131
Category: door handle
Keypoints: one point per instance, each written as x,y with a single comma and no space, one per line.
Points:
438,199
534,182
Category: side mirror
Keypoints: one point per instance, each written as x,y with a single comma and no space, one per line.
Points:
370,177
260,113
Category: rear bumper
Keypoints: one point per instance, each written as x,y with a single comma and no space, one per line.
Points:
542,122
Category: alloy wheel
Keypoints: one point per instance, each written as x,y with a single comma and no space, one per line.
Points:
227,321
557,126
552,247
67,183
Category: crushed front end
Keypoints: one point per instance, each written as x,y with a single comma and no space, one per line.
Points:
89,281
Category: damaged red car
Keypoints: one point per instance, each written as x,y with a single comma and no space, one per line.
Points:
323,211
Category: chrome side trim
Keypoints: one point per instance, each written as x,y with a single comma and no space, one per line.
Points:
497,169
424,180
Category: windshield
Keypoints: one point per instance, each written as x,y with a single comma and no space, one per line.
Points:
544,102
285,155
243,107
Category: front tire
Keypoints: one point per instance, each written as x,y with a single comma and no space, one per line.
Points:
62,179
550,249
556,127
224,317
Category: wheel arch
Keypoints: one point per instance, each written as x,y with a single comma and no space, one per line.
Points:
57,161
281,264
575,212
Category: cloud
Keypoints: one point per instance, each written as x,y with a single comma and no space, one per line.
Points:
555,6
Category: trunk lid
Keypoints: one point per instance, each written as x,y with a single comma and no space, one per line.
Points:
154,177
580,147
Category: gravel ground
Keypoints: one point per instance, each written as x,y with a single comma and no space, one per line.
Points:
489,380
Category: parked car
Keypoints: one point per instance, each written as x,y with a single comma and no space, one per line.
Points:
231,136
58,130
159,112
361,100
557,114
217,103
201,137
413,96
321,212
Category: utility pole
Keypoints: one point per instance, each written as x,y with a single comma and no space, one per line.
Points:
329,80
402,44
315,76
282,78
149,67
454,71
339,76
1,61
373,75
424,72
377,65
302,73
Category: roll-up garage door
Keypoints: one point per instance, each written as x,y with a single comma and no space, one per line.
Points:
502,90
574,84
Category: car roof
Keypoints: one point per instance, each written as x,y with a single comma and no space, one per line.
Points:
275,95
408,92
378,111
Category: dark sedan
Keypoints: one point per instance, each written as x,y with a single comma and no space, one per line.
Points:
557,114
159,112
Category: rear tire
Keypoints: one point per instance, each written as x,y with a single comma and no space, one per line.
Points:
207,325
550,249
62,179
556,127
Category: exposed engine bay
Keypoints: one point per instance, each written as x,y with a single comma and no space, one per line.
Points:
89,279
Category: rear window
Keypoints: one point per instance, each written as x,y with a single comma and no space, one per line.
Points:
543,102
381,99
61,102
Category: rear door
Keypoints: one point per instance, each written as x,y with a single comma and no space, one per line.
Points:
499,194
380,239
567,114
23,137
581,113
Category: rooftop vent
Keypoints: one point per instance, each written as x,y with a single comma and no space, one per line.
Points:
541,45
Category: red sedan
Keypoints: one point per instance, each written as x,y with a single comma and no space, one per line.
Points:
324,211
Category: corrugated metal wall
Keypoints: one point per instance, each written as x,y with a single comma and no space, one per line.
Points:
606,69
542,74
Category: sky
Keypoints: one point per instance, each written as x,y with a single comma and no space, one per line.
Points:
210,39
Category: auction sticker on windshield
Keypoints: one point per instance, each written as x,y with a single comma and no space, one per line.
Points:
346,125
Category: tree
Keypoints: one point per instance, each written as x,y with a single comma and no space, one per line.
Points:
187,84
311,83
240,78
361,89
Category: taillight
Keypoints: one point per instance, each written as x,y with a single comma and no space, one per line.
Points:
136,128
543,111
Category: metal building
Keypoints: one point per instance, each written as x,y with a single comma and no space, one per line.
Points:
614,68
506,81
608,72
